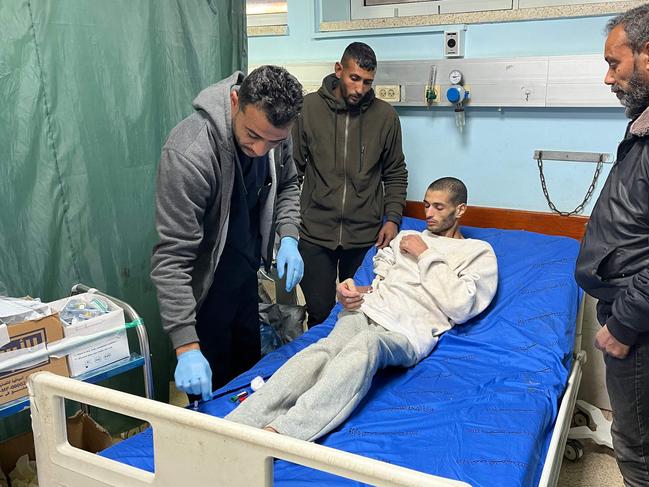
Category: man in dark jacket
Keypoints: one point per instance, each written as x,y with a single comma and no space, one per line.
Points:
613,263
226,184
347,147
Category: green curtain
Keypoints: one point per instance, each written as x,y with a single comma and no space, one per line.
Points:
89,90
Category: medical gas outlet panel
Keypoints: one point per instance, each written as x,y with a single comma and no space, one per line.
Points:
551,81
547,81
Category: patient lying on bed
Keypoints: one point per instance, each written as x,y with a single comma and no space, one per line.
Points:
425,283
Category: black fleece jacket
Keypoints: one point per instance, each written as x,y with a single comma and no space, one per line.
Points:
613,264
352,165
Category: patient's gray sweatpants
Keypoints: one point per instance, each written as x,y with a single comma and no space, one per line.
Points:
318,388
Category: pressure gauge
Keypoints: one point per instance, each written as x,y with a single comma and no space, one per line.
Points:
455,77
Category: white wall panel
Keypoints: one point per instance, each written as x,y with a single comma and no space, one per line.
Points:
548,81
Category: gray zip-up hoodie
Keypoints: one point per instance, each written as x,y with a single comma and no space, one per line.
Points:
194,189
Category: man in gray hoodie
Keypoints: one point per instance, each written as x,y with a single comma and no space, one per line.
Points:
226,185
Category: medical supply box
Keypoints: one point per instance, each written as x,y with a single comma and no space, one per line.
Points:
83,432
20,338
100,353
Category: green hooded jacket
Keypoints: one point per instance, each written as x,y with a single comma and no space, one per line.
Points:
352,165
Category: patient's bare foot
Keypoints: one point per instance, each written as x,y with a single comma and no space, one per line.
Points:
272,430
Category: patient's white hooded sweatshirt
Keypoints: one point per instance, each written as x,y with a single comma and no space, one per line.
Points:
450,283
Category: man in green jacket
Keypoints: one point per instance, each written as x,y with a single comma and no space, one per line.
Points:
347,149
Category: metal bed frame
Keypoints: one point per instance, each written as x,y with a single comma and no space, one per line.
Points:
194,448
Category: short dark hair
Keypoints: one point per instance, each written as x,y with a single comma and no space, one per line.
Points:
636,26
362,54
275,91
454,186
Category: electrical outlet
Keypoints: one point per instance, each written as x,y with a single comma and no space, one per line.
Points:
389,93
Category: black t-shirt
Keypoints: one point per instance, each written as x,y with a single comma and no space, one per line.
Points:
243,244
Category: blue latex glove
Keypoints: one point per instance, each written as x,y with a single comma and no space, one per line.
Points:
193,374
289,261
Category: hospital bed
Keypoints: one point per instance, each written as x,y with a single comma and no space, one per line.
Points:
490,406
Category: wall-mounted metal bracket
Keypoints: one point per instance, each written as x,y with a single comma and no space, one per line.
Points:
553,155
599,157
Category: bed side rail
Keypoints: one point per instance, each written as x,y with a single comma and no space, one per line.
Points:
190,448
554,457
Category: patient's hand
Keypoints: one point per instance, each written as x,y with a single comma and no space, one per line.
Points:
349,295
413,245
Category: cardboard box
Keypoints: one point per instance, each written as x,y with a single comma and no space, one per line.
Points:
83,432
102,352
25,335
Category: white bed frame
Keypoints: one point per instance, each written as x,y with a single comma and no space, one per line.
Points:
191,448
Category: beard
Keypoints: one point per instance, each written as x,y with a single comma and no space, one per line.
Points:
347,95
442,226
636,98
349,100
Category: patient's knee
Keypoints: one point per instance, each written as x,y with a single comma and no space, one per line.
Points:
366,342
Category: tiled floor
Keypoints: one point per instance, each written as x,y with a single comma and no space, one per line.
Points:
597,468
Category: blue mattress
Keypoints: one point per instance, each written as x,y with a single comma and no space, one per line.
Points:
481,407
